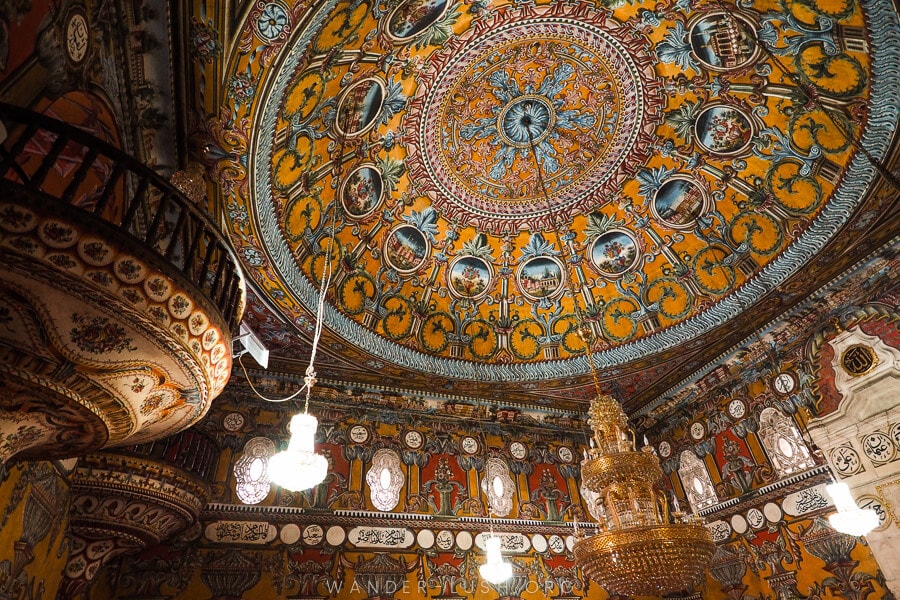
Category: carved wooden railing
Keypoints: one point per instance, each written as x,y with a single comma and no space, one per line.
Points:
191,450
125,195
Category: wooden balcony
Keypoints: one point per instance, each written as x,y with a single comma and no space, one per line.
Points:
119,296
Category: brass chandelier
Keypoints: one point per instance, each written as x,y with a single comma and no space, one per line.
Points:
639,548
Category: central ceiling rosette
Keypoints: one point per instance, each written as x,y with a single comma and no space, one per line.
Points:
550,93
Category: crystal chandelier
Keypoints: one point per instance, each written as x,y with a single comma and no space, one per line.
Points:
495,570
850,518
299,467
639,548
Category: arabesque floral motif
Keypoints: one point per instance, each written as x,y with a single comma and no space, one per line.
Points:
99,335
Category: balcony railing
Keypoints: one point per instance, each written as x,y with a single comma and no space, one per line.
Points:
190,450
58,161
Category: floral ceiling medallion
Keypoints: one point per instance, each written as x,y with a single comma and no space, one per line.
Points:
493,110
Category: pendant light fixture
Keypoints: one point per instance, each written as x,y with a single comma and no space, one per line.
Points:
495,570
640,549
850,518
299,467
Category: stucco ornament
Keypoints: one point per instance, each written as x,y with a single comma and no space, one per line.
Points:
385,479
251,475
696,482
498,486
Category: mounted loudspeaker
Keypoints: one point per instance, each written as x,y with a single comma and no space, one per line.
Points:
247,343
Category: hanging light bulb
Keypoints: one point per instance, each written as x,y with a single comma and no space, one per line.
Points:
850,518
495,570
299,467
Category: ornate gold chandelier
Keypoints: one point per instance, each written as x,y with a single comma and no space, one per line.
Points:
639,549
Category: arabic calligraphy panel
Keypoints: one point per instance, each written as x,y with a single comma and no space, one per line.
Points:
240,532
514,543
720,530
805,501
381,537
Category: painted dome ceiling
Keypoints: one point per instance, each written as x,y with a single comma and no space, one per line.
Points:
494,173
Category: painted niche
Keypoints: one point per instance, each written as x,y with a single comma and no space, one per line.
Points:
498,487
251,471
385,479
696,482
783,443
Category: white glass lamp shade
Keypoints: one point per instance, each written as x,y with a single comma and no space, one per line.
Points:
299,467
850,518
495,570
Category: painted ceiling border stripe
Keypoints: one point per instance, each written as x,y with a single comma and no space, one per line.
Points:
765,329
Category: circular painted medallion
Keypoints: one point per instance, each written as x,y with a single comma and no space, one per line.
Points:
360,107
615,252
895,434
272,21
878,447
784,383
772,512
723,41
739,524
557,544
78,36
846,461
858,360
359,434
335,535
679,202
518,450
698,430
406,249
233,421
425,539
413,439
469,445
541,277
445,539
737,408
413,17
876,504
289,534
756,518
464,540
469,277
362,191
313,535
565,454
665,449
525,100
722,129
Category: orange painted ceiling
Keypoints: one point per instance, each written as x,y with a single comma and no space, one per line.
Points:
485,178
